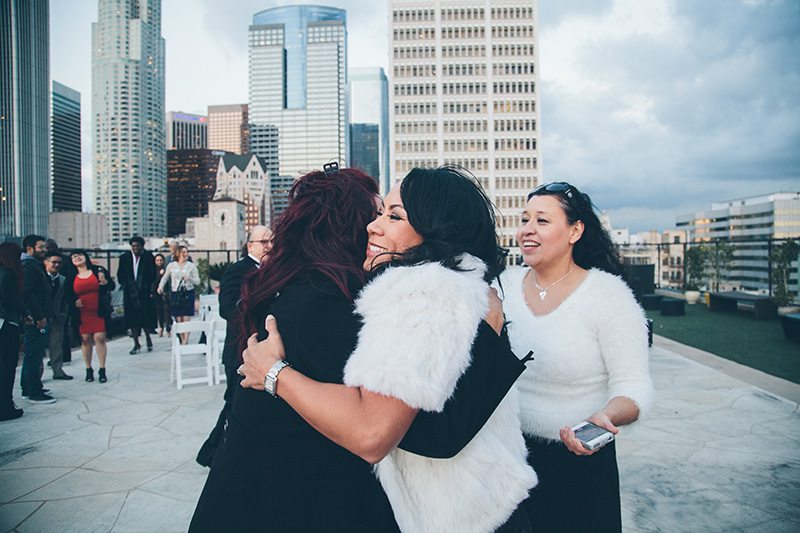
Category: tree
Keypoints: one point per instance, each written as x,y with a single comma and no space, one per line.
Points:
695,262
781,257
719,258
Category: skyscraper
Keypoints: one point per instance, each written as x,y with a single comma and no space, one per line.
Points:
298,82
191,182
464,92
130,182
24,117
228,128
186,131
65,140
369,104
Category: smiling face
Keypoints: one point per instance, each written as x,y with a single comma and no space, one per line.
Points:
390,231
159,261
78,260
546,237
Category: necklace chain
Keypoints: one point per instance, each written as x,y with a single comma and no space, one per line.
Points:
543,290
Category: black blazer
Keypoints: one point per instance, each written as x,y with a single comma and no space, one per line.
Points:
104,309
10,305
36,289
314,484
230,289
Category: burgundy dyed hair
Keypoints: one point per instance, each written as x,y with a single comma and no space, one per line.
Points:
10,253
324,228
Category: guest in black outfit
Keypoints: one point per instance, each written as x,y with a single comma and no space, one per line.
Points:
274,464
162,301
11,320
137,274
230,290
57,330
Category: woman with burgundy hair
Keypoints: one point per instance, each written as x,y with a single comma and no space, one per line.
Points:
11,317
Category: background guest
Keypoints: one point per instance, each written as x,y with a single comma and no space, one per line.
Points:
162,302
89,290
183,278
37,301
11,320
137,274
59,313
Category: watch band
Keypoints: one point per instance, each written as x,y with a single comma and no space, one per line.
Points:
271,379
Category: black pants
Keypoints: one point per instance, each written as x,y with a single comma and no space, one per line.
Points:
9,357
575,493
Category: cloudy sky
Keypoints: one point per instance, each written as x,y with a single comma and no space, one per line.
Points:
654,107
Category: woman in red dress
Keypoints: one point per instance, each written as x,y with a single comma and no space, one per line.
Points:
91,287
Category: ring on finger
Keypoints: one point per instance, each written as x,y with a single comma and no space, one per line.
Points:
239,370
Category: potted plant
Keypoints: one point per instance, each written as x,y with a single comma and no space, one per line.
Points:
782,257
719,258
695,264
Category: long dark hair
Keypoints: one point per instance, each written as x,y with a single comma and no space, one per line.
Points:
594,249
323,229
453,214
10,253
85,254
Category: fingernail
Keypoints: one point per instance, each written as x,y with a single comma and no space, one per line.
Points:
270,317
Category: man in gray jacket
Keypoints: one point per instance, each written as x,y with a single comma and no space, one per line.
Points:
38,303
57,327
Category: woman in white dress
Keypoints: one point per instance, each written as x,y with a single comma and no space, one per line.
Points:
182,276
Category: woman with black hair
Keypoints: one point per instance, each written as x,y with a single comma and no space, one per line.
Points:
88,289
570,305
432,251
11,321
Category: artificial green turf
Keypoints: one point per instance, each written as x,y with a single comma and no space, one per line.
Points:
735,335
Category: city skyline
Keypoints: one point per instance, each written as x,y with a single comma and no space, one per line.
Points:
654,108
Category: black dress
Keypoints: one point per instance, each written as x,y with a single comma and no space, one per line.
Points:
274,472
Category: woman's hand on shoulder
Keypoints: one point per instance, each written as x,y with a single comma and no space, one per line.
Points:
599,418
260,356
495,316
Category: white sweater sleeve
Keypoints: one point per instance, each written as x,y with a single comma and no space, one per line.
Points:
166,277
622,334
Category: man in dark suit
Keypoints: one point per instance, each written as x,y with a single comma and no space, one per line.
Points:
58,315
137,275
230,288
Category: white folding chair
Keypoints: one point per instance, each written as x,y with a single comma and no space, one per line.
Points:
218,330
179,351
208,303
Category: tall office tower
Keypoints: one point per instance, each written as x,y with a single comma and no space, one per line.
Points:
24,117
130,155
191,183
369,104
298,82
228,128
65,139
365,149
463,91
186,131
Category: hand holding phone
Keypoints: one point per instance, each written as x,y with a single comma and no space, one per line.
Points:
592,436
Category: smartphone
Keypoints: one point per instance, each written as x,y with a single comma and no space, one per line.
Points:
592,436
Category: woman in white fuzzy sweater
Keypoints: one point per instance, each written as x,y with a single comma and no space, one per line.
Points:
434,244
570,306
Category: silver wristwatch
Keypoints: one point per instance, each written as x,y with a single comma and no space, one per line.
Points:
271,379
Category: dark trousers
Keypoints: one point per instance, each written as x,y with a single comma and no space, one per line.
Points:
162,313
9,357
575,493
34,343
56,330
209,448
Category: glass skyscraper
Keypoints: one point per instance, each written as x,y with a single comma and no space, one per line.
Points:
24,117
298,83
369,105
66,148
130,181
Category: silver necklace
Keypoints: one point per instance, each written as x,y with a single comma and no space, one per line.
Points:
543,290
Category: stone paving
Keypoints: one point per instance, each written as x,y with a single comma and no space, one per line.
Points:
715,454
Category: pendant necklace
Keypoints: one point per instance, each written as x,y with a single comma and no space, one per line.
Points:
543,290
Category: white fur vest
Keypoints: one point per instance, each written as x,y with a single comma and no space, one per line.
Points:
419,326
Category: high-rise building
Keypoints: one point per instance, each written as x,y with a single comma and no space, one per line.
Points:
365,149
130,156
186,131
191,183
65,140
298,85
24,117
463,91
228,128
369,104
244,178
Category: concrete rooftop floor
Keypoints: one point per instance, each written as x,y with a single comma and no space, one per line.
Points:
719,452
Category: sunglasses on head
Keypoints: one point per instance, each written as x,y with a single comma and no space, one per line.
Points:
558,187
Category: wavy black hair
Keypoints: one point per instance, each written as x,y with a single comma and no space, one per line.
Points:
594,249
454,216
